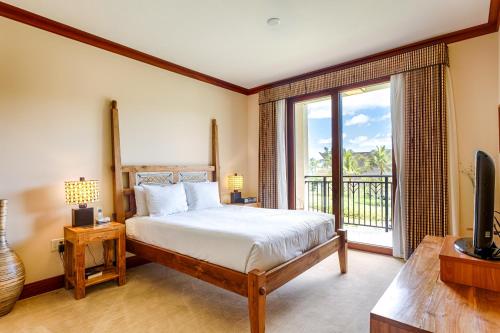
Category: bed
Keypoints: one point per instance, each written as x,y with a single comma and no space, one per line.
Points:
249,251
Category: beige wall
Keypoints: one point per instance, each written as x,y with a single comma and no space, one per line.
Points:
54,126
474,71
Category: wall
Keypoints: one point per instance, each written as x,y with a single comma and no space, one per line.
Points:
55,126
474,66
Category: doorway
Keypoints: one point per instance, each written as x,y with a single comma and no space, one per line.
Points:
339,149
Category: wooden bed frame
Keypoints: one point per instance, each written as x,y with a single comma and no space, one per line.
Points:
255,285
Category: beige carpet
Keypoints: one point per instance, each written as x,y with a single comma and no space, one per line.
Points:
157,299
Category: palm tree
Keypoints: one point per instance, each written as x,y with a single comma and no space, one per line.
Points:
380,159
326,158
313,165
363,164
351,166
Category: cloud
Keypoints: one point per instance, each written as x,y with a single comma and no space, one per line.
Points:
359,140
359,119
385,116
319,110
364,143
325,141
375,98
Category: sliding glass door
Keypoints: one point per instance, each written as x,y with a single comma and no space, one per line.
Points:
367,164
314,157
340,159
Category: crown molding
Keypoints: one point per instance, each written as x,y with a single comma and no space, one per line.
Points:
35,20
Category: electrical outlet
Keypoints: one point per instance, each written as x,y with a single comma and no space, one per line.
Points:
54,244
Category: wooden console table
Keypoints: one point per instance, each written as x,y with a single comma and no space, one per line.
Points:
418,301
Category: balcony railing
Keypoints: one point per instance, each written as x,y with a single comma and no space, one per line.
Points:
367,200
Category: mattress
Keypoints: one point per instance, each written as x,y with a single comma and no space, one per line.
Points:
236,237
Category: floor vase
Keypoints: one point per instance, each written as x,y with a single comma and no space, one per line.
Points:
11,268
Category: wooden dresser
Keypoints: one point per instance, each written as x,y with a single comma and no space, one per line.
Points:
418,301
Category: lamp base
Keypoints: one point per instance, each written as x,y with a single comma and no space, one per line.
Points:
235,197
83,217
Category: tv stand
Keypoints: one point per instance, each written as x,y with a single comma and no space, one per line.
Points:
418,301
461,268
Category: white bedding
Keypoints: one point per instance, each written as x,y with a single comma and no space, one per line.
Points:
236,237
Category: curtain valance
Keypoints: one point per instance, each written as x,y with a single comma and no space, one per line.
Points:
427,56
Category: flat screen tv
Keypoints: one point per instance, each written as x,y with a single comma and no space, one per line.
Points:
482,245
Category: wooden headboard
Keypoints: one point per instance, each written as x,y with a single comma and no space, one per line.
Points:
126,177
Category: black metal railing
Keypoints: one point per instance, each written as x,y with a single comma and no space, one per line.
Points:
366,199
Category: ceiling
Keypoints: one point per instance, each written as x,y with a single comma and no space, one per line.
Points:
230,40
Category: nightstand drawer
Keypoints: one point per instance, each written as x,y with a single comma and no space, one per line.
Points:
100,236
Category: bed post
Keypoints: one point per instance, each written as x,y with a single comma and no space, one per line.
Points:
119,214
257,301
343,250
215,154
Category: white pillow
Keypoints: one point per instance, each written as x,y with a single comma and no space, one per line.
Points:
165,200
141,204
202,195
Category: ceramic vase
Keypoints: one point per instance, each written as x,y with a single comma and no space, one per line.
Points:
11,268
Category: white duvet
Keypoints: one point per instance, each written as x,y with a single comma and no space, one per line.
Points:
236,237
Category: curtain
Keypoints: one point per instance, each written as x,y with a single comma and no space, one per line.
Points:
273,186
425,155
453,173
281,170
268,190
424,57
398,149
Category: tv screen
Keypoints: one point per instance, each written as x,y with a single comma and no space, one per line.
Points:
484,203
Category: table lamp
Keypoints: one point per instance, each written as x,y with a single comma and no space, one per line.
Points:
81,193
235,183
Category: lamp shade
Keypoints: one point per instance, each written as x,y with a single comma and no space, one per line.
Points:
235,182
81,192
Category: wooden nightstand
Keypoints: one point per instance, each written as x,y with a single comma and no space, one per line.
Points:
76,239
254,204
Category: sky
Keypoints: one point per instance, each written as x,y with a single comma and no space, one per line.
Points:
366,122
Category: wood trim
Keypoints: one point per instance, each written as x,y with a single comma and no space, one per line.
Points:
370,248
337,159
494,15
491,26
57,282
38,21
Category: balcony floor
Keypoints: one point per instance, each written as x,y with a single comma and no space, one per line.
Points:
368,235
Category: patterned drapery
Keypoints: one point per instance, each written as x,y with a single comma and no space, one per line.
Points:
408,61
426,155
426,191
268,152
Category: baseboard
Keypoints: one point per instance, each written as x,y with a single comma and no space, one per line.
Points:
370,248
57,282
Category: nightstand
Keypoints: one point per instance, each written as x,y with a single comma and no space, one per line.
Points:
253,204
112,236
